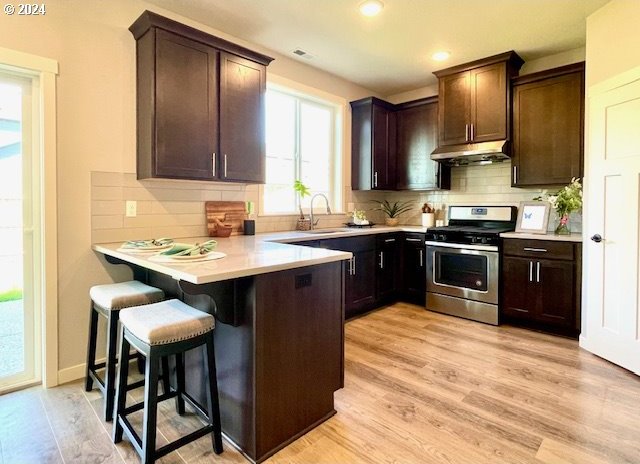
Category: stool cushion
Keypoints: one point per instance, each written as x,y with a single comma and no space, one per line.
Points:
166,322
113,297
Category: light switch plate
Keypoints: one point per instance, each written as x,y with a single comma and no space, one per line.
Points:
131,208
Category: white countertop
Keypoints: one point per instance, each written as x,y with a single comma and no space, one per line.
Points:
551,237
249,255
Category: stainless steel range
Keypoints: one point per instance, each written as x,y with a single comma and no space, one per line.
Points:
463,261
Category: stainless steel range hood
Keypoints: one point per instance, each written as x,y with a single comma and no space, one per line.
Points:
472,153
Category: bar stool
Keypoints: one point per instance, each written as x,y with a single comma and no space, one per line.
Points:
107,301
169,328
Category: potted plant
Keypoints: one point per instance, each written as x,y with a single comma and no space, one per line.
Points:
428,215
302,191
393,210
567,200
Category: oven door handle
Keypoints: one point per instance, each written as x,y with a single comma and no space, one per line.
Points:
461,246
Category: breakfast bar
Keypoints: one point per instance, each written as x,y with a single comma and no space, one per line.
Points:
279,335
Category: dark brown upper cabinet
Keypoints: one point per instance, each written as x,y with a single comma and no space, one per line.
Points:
200,104
548,126
474,100
416,138
373,159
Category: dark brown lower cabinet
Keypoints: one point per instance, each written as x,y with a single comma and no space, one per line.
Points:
279,367
360,281
541,285
388,266
413,268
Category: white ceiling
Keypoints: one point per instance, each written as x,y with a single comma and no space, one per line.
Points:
391,53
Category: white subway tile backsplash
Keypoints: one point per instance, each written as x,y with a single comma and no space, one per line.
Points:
106,222
106,193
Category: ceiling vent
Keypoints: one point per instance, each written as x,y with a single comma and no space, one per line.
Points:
301,53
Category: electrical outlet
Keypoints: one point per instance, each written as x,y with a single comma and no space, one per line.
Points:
131,209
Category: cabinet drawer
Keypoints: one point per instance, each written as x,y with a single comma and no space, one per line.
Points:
414,238
546,249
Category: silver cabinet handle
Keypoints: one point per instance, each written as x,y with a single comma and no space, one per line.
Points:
530,271
389,240
225,165
515,174
375,179
354,265
537,250
351,266
421,259
471,133
466,132
213,164
538,272
413,240
382,260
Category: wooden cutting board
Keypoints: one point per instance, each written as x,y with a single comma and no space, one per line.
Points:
231,213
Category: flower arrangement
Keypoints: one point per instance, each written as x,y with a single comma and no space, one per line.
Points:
567,200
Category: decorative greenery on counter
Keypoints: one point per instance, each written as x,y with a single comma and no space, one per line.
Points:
567,200
303,191
395,209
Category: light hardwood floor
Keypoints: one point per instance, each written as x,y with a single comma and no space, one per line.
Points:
420,388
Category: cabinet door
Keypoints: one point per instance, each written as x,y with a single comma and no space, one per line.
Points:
242,128
186,130
384,159
388,250
360,291
298,350
413,273
519,296
455,105
489,118
417,137
556,292
548,130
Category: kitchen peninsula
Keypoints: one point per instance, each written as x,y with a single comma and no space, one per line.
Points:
279,338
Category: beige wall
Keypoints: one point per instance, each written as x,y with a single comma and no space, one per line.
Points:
613,41
96,129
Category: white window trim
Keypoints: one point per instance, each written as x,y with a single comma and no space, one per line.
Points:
44,72
339,106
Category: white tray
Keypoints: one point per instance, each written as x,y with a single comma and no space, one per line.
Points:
186,260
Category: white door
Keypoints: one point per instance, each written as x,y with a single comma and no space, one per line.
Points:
611,322
20,338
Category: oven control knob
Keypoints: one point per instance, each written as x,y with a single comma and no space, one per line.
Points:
478,283
483,240
442,237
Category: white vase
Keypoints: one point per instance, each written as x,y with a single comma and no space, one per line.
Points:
428,219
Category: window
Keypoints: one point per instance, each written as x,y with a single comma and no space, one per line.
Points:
301,145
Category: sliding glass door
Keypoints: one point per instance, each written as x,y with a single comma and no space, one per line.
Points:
20,338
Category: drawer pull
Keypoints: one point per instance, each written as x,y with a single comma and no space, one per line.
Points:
413,239
530,271
388,240
537,250
538,272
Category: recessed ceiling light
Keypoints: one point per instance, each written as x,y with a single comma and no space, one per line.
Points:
441,56
371,7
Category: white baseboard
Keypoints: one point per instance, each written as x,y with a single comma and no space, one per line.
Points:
69,374
78,371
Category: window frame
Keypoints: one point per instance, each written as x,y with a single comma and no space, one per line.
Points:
336,168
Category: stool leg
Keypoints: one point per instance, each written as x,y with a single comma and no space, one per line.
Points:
110,377
150,408
140,361
180,383
121,392
91,348
166,385
212,397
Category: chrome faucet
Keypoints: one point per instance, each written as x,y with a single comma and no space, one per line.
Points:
313,223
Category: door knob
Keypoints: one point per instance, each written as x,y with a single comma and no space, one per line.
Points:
597,238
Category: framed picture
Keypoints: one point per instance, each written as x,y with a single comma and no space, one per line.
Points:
533,217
